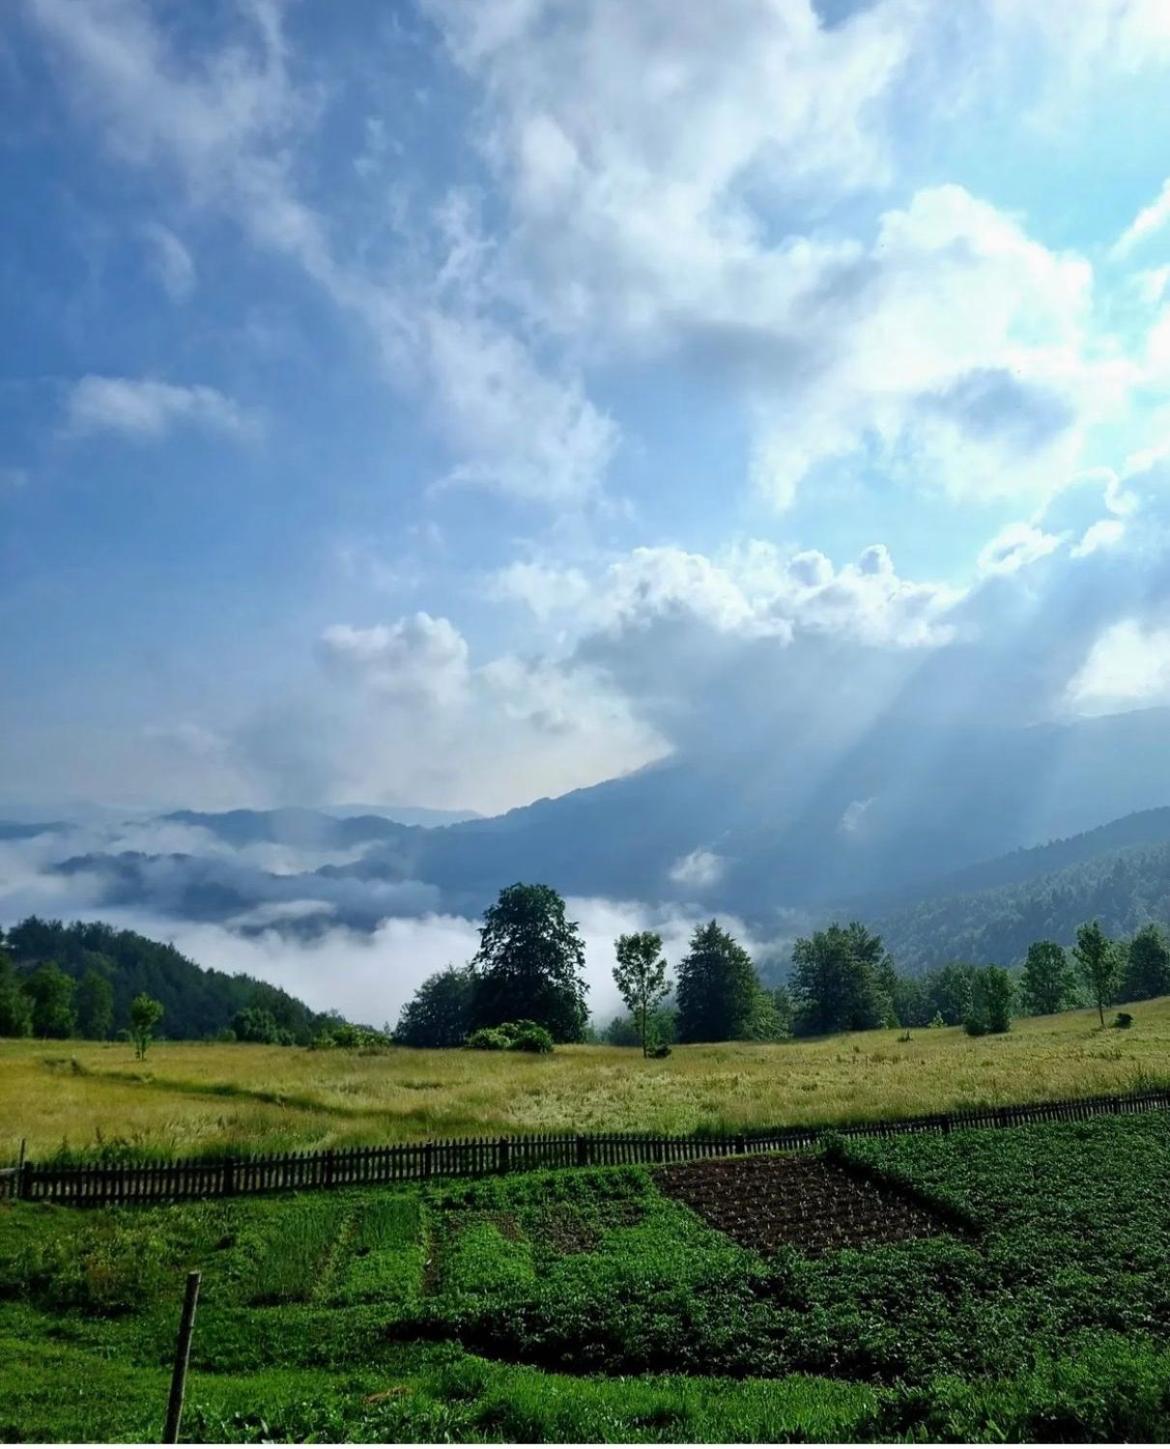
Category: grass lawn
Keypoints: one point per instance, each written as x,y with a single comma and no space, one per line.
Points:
186,1098
598,1305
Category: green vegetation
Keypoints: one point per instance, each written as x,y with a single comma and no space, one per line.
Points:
512,1036
640,977
997,911
439,1013
530,964
145,1015
453,1312
82,979
718,988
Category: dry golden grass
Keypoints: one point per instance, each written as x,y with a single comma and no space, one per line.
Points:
187,1098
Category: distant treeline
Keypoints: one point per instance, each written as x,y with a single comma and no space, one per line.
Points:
1122,890
530,967
61,980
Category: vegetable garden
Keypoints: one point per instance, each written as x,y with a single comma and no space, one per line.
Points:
980,1285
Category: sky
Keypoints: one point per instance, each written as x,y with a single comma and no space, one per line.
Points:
452,404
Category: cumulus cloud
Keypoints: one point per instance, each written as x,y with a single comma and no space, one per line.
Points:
148,409
418,658
1128,665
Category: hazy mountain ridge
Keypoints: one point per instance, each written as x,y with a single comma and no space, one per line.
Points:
1123,889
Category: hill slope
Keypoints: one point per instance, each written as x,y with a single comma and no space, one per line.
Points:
1123,889
196,1002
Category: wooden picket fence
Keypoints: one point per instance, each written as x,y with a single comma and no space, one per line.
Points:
151,1182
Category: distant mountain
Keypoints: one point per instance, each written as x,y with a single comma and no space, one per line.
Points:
404,814
308,829
19,830
1123,889
779,828
196,1002
1144,827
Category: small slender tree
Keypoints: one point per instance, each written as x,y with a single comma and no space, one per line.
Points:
1100,964
145,1014
640,975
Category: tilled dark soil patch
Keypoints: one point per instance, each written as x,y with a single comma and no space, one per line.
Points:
764,1203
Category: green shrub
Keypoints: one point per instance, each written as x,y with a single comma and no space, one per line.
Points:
511,1036
528,1037
490,1039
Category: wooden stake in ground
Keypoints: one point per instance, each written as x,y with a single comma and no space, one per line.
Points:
182,1354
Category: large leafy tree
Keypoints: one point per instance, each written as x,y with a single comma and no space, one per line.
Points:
530,964
640,975
994,990
717,988
439,1012
95,1006
51,994
842,981
15,1006
1047,978
1147,966
1100,964
950,991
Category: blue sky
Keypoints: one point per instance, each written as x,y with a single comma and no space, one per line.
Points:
438,402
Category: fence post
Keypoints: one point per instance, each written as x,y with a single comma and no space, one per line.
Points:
504,1155
428,1158
182,1355
946,1123
328,1171
741,1144
582,1150
20,1182
229,1177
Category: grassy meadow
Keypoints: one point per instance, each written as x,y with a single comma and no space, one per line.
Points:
188,1098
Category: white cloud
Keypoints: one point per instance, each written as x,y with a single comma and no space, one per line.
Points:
1014,547
223,124
148,409
1127,666
418,659
853,816
171,261
522,431
1148,222
700,869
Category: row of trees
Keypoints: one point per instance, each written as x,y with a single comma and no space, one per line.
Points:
530,965
47,1003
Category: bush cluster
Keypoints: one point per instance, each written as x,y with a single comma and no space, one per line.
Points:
512,1036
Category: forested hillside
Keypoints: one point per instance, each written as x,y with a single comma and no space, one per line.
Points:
1124,890
196,1002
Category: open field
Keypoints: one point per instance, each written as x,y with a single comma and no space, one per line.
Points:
188,1098
1033,1303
